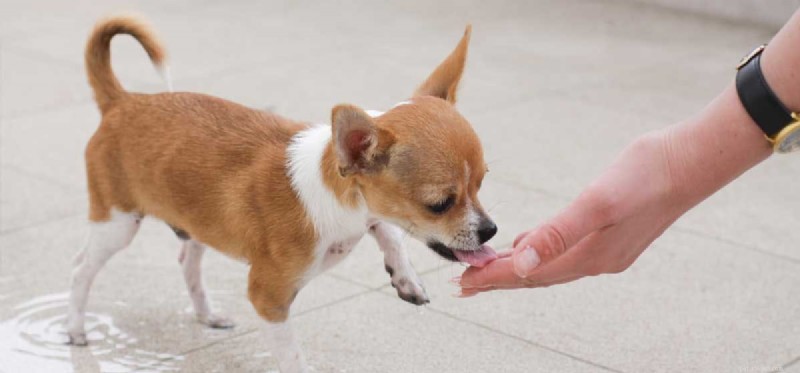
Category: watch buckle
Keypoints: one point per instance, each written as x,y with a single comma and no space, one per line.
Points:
750,56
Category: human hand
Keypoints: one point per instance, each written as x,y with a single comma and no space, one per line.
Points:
654,181
604,230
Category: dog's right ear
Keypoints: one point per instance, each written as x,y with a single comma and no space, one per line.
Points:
443,82
360,146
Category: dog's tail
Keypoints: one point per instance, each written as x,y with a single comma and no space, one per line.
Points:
98,56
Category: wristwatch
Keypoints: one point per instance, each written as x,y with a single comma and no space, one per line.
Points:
780,125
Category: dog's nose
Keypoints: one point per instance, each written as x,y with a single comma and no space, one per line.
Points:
487,230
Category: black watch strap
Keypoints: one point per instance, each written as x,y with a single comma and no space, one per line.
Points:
758,99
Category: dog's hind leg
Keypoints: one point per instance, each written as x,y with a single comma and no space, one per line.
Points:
191,259
106,238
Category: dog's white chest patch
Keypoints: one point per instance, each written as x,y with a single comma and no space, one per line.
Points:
338,227
337,251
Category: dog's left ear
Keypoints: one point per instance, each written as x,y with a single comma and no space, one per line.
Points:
443,82
361,147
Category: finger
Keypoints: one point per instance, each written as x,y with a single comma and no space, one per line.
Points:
466,293
519,237
547,242
504,254
524,283
560,281
499,271
520,284
577,262
532,283
497,275
586,214
569,267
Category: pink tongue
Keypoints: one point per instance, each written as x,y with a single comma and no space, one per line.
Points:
478,258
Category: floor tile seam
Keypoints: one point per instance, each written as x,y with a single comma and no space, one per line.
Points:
517,338
40,223
44,178
255,330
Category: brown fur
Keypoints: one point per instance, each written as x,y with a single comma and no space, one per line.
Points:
217,170
433,146
98,55
426,147
213,168
443,82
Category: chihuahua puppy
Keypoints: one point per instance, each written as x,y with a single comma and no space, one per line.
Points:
289,198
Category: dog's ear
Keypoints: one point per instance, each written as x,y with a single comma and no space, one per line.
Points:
443,82
361,147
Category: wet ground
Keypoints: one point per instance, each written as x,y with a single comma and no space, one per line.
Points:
555,89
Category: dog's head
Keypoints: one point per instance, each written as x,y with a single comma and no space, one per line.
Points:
420,165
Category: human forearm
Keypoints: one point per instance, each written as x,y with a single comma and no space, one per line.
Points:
707,152
710,150
652,183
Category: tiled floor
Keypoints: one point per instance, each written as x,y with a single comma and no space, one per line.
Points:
554,88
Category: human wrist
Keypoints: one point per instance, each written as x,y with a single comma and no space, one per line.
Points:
713,148
779,63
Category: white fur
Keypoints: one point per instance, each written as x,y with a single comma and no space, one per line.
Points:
377,113
285,348
105,239
163,70
333,222
191,259
108,238
338,227
374,113
395,257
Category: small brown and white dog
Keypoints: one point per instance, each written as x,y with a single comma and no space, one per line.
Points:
289,198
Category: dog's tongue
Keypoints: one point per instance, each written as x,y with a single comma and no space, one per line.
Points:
477,258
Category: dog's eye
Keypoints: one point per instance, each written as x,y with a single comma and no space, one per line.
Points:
442,206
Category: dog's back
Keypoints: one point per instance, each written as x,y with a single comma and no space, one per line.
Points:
182,157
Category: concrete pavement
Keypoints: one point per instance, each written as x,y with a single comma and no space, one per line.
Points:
555,89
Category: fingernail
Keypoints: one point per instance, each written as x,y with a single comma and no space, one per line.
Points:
526,261
461,294
456,280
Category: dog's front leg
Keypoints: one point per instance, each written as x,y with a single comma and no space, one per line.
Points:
285,347
404,278
272,292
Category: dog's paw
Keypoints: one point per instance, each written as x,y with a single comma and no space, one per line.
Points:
77,339
410,290
216,321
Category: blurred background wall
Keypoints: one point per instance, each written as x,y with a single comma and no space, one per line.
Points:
773,13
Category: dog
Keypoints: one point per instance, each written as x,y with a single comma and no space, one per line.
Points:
290,198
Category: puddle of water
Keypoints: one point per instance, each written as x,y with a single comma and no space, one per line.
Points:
34,339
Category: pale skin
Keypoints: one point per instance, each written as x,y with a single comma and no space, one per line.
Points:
655,180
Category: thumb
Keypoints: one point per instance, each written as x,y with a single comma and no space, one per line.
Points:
548,241
525,257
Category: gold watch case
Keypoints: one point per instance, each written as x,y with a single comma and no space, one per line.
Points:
788,140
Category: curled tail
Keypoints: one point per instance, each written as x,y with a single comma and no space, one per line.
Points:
98,55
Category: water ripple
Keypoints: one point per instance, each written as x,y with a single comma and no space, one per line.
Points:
33,339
